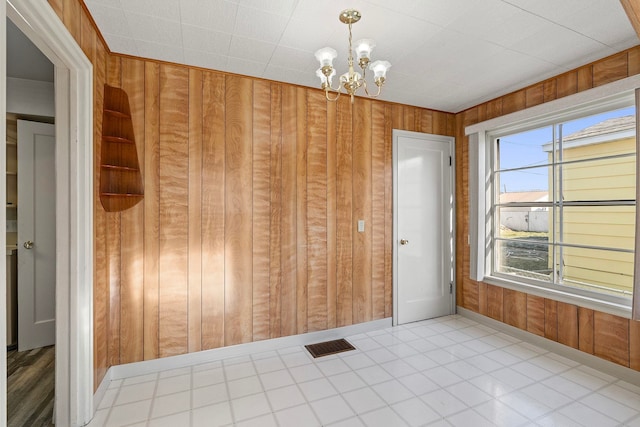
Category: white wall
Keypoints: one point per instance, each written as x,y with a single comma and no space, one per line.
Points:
30,97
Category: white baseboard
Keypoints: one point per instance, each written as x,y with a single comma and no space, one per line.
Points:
190,359
602,365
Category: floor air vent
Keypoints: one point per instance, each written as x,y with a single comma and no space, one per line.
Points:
329,347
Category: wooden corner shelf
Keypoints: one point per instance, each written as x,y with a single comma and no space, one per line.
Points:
120,178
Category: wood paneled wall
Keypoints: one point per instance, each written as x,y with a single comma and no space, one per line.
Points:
252,192
609,337
247,229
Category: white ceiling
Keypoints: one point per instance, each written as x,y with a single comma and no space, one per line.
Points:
24,59
445,54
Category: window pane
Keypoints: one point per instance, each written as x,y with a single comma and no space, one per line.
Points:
600,179
524,149
527,257
596,270
524,222
534,181
600,127
605,226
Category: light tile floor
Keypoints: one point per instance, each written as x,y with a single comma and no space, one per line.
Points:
449,371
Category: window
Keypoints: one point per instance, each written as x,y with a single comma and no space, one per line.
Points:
552,198
563,204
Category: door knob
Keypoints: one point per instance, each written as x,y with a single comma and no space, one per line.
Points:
28,244
403,242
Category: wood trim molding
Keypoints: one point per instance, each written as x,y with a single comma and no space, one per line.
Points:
632,9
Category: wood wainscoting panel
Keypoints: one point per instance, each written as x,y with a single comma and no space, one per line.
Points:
301,207
377,226
515,308
610,69
634,344
344,215
276,222
238,307
611,337
289,260
495,302
317,211
362,309
195,210
261,208
568,324
174,199
585,330
151,209
551,319
213,210
132,228
535,315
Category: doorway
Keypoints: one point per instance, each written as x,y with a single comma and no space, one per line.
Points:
74,207
423,228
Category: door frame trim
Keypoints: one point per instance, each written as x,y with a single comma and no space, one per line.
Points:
436,138
74,207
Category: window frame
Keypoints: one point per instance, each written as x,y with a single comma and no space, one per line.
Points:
607,97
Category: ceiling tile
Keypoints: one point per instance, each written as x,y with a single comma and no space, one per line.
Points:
155,30
295,59
205,59
215,15
109,19
200,39
259,25
120,44
245,67
166,9
160,52
280,7
258,51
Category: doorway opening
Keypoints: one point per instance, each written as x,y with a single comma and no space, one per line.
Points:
73,87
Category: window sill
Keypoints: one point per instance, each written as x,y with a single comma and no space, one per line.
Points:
578,300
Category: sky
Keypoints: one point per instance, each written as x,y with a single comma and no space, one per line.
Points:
525,149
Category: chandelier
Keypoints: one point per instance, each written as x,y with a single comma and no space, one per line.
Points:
352,80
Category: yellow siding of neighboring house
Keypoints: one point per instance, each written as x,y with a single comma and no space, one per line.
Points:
610,179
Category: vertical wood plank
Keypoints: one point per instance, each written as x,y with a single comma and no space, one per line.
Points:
483,300
535,315
174,200
151,203
213,210
261,208
585,330
610,69
388,208
611,338
195,210
238,213
332,286
495,302
534,95
87,37
378,135
362,308
275,246
100,271
344,230
634,61
426,121
551,319
113,262
515,308
132,229
568,324
550,90
317,210
439,123
301,208
71,18
515,101
567,84
585,78
289,213
58,7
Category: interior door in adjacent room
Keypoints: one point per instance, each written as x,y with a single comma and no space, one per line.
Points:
423,226
36,235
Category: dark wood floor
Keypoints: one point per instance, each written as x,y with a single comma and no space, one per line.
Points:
30,387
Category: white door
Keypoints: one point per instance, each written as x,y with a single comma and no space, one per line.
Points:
36,235
423,226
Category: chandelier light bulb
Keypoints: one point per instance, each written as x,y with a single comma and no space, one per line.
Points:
380,68
363,48
326,55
